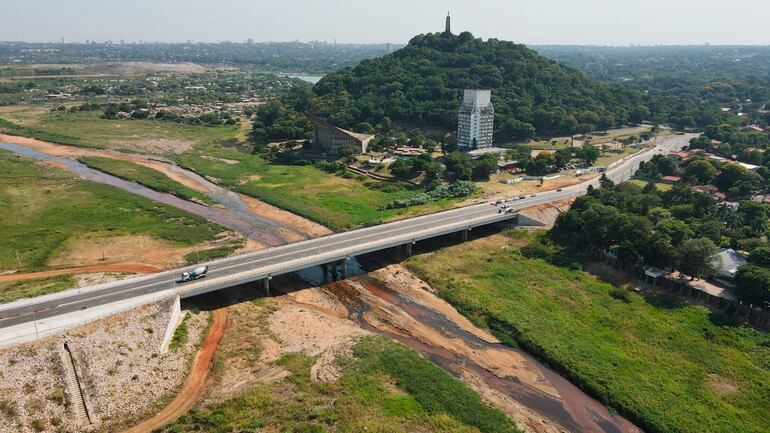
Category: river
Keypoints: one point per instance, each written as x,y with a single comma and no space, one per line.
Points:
234,213
377,307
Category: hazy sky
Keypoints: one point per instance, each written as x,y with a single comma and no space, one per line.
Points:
611,22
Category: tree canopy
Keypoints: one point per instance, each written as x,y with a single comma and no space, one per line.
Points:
423,83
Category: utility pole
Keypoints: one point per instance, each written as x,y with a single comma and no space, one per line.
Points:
18,261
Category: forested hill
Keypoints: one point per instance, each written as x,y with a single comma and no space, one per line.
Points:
423,82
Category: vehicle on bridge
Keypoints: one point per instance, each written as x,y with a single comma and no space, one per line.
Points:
195,274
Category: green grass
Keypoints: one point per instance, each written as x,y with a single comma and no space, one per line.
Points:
326,198
180,335
386,388
46,206
142,175
13,290
659,185
667,365
86,129
210,254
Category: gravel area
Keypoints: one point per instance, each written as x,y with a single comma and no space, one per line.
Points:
124,376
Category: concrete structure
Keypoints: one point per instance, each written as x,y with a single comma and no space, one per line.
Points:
476,119
29,319
727,263
330,140
448,25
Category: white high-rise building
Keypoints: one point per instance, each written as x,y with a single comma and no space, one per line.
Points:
476,120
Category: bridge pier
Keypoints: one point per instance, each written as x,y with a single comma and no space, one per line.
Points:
325,269
266,285
408,249
464,234
335,275
344,268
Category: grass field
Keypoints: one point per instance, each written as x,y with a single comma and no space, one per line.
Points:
385,388
667,365
88,130
326,198
12,290
659,185
46,206
210,254
142,175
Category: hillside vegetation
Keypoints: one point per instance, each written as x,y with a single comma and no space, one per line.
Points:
423,82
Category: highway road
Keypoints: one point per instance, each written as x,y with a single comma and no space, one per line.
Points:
288,258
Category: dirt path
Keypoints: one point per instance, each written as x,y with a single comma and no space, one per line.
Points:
193,387
129,268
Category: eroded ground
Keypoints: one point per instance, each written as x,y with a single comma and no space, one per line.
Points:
123,372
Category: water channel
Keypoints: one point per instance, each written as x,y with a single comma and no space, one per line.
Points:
234,213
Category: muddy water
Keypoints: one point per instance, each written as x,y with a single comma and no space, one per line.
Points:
573,409
251,226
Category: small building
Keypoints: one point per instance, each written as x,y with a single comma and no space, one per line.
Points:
727,263
753,128
671,179
680,155
408,151
748,166
330,140
475,121
710,190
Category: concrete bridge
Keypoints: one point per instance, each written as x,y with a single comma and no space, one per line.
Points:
29,319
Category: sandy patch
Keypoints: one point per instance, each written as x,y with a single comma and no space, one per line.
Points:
158,146
547,213
300,328
721,385
400,280
305,329
225,160
97,272
502,363
136,249
277,214
526,419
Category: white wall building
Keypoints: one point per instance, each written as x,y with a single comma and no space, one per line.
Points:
476,120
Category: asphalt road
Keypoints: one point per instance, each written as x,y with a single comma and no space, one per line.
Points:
45,307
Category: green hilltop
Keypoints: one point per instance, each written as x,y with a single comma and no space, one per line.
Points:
422,85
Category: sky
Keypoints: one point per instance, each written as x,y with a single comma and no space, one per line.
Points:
582,22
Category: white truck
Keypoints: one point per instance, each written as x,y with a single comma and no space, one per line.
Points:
195,274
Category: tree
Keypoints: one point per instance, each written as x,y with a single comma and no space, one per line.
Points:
605,182
639,114
760,256
589,153
753,283
606,122
403,168
485,166
459,164
696,257
701,170
433,173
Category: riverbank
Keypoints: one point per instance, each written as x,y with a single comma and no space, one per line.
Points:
286,225
667,365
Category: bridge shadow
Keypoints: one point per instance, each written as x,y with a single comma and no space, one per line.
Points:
296,281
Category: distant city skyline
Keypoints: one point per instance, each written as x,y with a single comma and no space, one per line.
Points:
588,22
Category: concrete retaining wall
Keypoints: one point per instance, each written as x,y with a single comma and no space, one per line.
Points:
173,322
